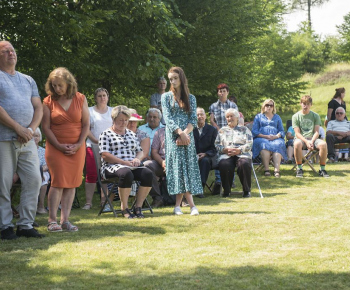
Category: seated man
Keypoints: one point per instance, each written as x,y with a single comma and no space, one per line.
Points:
157,165
153,124
306,125
338,131
204,137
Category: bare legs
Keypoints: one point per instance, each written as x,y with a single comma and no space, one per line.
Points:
188,196
66,197
276,159
41,204
89,192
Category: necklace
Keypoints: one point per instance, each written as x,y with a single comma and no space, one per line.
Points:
125,142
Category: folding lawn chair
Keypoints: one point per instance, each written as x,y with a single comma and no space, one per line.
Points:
307,159
146,206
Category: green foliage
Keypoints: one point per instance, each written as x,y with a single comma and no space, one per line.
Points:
344,31
124,45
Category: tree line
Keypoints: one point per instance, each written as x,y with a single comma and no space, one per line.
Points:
125,45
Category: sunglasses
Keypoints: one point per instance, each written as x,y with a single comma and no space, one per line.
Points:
339,113
269,105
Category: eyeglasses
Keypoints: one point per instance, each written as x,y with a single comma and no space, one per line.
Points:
269,105
339,113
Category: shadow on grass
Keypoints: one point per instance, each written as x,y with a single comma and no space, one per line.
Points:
111,275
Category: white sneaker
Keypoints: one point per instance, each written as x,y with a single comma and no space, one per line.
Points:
177,210
194,211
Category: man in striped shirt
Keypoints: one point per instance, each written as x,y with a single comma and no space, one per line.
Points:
338,131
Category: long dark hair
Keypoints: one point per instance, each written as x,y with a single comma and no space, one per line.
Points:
185,92
338,93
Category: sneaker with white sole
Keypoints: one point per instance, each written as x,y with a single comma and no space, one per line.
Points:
177,210
323,173
194,211
299,173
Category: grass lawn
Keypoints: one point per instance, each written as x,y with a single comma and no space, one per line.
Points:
297,237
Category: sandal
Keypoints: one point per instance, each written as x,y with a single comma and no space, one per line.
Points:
54,227
138,212
277,174
127,214
67,226
267,173
87,206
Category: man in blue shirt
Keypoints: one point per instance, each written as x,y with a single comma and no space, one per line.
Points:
153,123
20,114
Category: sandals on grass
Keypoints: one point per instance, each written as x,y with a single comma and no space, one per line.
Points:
267,173
53,227
277,174
127,214
67,226
138,212
87,206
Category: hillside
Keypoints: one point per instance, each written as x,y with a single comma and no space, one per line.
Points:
322,88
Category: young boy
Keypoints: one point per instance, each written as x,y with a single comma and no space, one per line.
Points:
306,125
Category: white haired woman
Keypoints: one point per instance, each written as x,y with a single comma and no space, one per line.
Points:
234,143
121,157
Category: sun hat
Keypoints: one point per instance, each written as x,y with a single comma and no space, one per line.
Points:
134,115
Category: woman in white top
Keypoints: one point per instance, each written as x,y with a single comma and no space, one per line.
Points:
100,120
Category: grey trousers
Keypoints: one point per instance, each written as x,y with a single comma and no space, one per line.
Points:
157,172
23,159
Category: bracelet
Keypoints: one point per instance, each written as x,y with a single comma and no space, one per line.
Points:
31,130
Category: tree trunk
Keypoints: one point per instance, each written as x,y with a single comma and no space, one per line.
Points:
309,13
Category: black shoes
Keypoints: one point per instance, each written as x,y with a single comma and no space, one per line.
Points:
28,233
8,234
225,195
217,188
246,194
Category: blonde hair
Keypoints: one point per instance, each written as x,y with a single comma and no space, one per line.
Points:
267,101
306,99
120,110
65,75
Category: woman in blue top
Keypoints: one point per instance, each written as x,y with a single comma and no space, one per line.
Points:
182,171
268,136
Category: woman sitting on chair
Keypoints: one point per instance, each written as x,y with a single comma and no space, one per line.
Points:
121,157
268,136
234,144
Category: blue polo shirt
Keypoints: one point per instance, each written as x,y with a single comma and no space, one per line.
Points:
146,128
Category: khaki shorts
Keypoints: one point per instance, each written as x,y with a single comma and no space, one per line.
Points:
316,143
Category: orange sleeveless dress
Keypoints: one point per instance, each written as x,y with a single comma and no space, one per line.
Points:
66,170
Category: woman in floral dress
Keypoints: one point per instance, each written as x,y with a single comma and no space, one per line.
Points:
182,171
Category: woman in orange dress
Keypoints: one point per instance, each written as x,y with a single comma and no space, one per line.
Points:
66,125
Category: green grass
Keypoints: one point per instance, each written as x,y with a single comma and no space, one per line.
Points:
294,238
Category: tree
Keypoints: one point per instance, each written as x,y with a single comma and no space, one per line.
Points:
344,30
308,4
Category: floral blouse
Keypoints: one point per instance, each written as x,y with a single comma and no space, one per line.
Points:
237,137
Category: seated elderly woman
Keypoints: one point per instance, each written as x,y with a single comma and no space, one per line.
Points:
144,139
145,144
234,144
268,136
121,157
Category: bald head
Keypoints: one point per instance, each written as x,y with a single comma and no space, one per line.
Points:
8,57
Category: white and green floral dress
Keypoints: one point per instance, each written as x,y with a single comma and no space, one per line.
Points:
182,171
